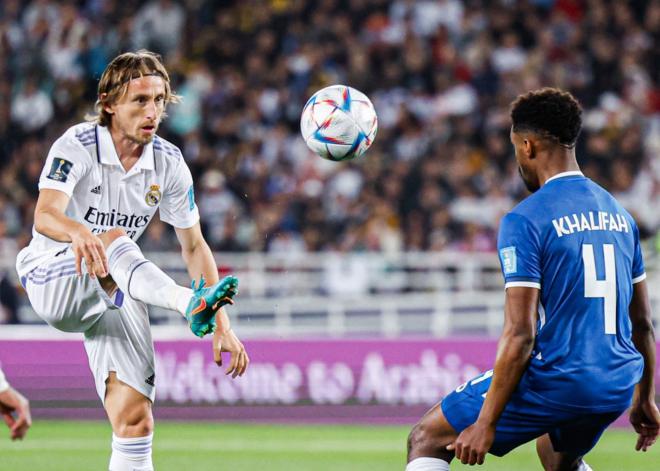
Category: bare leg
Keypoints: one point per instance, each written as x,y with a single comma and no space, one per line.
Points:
553,460
132,425
128,410
430,437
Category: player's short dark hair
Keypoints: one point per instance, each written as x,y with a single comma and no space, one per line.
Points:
550,112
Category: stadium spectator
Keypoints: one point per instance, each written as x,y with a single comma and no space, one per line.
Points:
159,25
215,203
31,108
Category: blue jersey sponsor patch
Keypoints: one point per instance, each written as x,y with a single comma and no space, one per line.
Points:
60,169
509,261
191,198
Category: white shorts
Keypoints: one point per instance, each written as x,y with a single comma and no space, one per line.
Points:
117,331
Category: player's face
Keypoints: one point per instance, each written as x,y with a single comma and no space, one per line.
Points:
137,114
526,165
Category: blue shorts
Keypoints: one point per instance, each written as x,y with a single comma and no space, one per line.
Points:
523,421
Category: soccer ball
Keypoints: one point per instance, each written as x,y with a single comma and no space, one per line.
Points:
339,123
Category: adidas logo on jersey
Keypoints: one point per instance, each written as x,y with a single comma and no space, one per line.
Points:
96,190
150,380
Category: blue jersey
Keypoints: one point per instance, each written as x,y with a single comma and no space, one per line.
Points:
574,241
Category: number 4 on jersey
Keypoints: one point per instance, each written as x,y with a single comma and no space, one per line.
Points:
606,289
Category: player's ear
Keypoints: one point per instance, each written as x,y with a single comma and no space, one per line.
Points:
529,147
106,106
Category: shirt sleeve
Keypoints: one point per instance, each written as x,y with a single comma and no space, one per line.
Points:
178,206
66,164
4,385
518,245
638,272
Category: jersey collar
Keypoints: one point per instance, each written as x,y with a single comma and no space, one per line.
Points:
572,173
108,153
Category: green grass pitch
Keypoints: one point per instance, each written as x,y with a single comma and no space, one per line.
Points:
73,446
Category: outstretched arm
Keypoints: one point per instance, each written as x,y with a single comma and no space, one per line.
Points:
513,353
644,414
199,260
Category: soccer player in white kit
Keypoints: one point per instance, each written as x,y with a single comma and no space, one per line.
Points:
100,187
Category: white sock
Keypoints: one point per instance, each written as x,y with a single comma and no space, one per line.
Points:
140,279
584,467
131,454
427,464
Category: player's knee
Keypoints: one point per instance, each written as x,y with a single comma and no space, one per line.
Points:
138,427
427,439
420,437
415,438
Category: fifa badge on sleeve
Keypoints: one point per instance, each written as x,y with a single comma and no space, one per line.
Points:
59,170
509,261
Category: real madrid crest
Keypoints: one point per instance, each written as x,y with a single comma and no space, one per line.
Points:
153,196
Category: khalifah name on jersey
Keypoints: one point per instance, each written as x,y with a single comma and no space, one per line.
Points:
591,221
115,219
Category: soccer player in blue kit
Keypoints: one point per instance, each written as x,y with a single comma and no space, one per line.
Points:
577,347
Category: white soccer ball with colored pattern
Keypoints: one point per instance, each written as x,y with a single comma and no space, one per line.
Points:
339,123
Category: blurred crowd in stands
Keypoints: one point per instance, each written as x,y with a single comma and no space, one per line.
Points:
441,75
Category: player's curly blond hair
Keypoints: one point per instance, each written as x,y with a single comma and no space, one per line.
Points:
116,76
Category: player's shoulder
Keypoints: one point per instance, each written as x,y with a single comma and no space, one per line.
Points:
168,150
531,211
527,209
78,140
83,134
609,201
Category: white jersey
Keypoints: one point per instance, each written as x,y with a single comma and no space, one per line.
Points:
83,163
4,385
